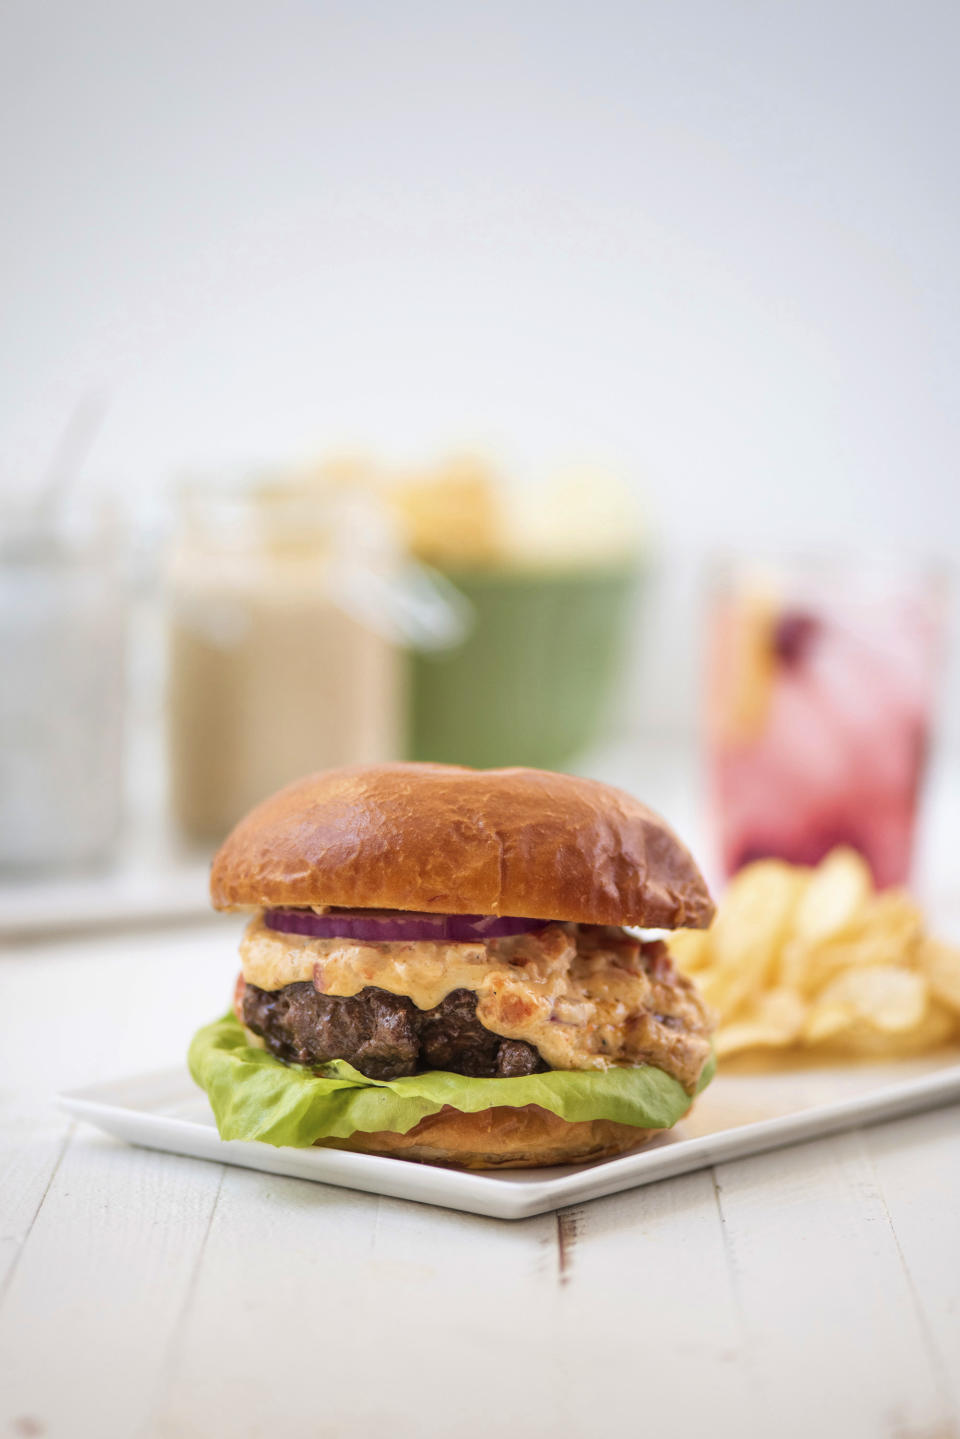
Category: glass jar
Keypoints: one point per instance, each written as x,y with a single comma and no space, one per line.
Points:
62,652
277,663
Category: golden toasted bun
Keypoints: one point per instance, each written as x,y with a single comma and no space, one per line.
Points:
501,1138
459,841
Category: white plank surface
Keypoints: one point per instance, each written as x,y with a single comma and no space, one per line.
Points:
649,1326
834,1339
31,1147
100,1287
384,1305
917,1169
814,1290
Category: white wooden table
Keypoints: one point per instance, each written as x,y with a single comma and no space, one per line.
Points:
812,1291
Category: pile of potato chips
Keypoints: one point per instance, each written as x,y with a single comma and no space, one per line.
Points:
816,959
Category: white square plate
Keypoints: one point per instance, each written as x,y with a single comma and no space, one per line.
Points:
739,1114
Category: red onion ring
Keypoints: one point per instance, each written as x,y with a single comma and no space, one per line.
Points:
389,926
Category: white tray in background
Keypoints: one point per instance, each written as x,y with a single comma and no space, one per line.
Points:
739,1114
132,895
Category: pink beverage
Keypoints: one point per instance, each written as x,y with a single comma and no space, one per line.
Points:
819,701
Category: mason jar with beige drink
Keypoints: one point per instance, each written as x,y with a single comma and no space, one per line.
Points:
270,674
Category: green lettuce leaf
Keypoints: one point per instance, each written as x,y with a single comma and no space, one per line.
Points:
255,1096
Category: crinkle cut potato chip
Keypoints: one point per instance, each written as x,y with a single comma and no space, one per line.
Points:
747,935
941,964
885,996
690,949
773,1020
861,1041
815,959
887,930
833,896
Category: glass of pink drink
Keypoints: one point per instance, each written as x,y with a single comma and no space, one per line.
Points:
819,700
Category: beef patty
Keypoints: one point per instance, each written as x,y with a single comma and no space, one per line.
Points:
383,1035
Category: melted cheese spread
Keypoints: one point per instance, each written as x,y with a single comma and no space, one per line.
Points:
585,999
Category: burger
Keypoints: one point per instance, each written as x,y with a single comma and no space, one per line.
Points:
464,967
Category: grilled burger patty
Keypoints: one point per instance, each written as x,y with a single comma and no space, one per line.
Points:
383,1035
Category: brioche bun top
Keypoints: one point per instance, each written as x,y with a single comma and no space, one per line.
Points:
445,839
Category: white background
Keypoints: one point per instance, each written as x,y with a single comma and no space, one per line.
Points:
710,244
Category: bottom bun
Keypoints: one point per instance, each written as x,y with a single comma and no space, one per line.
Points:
501,1138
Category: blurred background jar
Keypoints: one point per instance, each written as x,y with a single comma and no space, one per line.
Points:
63,607
550,573
821,683
273,672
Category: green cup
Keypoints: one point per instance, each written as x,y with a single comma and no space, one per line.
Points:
533,681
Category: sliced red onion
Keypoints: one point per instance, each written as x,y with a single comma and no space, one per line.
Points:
390,926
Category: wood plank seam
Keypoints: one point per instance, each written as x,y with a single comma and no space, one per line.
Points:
914,1407
375,1228
168,1366
569,1229
746,1350
923,1319
12,1269
730,1258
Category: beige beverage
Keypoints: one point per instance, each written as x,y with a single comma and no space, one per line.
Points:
270,675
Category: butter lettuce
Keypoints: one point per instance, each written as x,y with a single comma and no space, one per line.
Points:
254,1096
